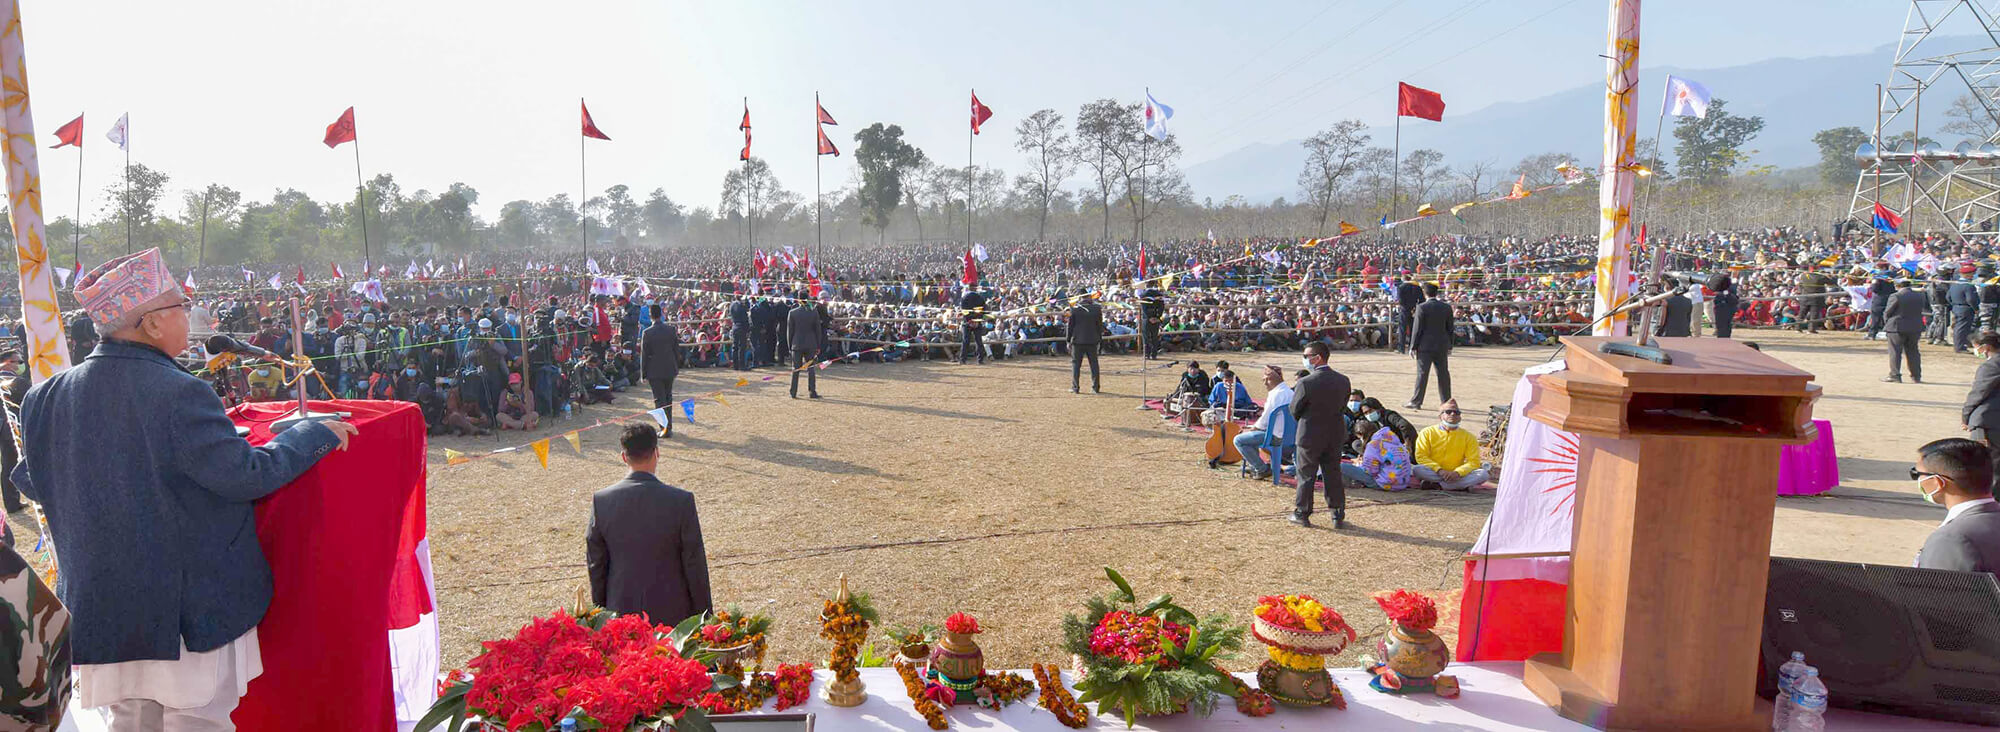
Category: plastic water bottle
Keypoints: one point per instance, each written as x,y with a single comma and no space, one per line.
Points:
1809,704
1788,682
569,724
565,411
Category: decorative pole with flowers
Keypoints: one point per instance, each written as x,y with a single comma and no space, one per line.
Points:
845,622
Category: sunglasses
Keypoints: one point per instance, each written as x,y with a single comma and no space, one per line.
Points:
1452,412
1916,474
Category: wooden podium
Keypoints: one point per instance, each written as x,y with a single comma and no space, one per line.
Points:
1676,485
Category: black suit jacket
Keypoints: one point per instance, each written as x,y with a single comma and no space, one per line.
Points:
1677,318
1432,331
645,551
1981,409
1906,312
1086,324
1319,401
804,329
1409,295
660,351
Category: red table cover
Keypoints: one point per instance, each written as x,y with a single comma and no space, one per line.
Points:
341,541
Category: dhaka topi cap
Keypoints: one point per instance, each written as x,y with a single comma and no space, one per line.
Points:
118,292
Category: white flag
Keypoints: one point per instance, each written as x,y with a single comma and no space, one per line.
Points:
248,276
277,282
979,252
119,131
461,264
659,415
1157,115
431,266
411,273
62,277
189,284
590,265
640,289
1686,98
756,289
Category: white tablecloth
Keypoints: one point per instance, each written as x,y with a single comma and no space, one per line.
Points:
1491,699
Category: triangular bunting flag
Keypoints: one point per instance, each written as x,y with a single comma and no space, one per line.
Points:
720,400
575,441
687,408
541,448
659,414
741,382
454,457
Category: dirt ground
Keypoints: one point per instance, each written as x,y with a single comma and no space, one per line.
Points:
993,490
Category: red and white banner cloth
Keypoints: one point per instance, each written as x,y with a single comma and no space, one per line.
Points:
1512,607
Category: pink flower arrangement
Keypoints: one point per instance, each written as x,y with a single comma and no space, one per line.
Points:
1135,638
961,623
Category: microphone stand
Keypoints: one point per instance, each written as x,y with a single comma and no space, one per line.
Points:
302,414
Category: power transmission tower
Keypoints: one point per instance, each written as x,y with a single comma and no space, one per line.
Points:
1955,189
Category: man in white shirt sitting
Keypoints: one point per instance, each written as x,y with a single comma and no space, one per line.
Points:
1278,396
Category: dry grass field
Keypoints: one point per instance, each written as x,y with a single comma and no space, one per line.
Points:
939,488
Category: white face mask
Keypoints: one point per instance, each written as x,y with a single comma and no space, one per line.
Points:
1448,425
1930,497
1307,361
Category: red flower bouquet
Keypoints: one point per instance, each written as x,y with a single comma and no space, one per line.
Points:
1408,609
961,623
1152,658
624,674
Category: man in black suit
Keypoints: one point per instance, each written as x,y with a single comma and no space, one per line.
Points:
1408,297
1981,414
1957,473
1430,340
1676,320
973,326
1964,296
1320,404
645,549
805,330
1086,333
660,362
764,317
1152,309
1904,321
739,334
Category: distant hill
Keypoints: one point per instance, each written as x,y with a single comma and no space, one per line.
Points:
1796,98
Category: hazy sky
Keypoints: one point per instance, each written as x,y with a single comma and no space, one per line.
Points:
240,91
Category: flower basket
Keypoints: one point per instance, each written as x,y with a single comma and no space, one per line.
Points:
1321,643
1148,659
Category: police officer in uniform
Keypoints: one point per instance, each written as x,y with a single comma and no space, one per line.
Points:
1964,298
739,334
1152,307
1939,291
970,335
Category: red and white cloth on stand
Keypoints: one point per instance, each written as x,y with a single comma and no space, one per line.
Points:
350,641
1513,607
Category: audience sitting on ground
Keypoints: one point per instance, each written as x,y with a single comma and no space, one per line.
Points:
1385,458
1447,456
1372,411
514,411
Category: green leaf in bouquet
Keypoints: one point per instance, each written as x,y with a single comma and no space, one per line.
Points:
694,720
1163,601
1124,588
718,682
449,707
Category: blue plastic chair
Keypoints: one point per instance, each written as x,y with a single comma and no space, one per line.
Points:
1282,437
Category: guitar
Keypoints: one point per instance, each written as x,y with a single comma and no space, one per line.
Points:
1221,445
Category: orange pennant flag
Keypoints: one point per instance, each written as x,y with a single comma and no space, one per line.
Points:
1347,228
541,448
454,457
740,383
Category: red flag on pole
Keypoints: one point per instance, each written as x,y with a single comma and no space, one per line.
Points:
342,130
745,127
1142,260
971,270
1415,102
337,274
70,134
826,145
824,118
589,126
302,275
980,113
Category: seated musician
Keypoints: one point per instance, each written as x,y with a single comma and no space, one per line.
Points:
1226,386
1190,395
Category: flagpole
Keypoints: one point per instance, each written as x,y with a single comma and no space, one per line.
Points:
1139,217
1659,124
76,228
1396,166
583,184
201,255
363,188
127,145
968,181
1875,232
819,239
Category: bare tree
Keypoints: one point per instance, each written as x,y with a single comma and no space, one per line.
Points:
1971,119
1104,129
1051,157
1475,173
1424,169
1331,156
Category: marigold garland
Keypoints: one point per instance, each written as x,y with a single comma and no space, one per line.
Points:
843,623
1056,698
1252,702
913,684
1297,661
1005,688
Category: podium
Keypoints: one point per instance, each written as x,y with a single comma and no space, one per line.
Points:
1676,487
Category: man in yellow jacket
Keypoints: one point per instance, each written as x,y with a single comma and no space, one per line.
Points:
1447,455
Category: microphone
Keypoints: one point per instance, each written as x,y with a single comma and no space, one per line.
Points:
221,343
1697,278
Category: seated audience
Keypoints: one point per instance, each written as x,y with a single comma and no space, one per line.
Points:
1447,455
1278,395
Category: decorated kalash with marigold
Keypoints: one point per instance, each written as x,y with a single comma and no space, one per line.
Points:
586,668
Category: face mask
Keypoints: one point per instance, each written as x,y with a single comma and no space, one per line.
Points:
263,372
409,372
1930,497
1374,416
1352,406
1448,425
1307,361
